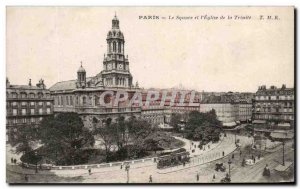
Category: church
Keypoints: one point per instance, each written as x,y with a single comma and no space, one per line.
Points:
82,94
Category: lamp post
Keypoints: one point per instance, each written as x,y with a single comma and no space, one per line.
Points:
283,162
36,161
229,163
127,167
235,135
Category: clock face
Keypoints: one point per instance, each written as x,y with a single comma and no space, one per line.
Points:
121,66
109,66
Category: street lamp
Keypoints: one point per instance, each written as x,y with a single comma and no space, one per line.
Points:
36,161
229,163
235,135
127,167
283,162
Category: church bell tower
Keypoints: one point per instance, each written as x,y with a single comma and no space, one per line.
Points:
115,65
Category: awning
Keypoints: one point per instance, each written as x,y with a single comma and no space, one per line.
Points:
259,121
284,124
229,124
282,135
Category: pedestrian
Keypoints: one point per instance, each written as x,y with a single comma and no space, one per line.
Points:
26,178
254,160
223,153
258,156
214,177
15,161
197,176
150,179
183,164
252,157
241,153
243,162
121,166
90,171
232,156
12,160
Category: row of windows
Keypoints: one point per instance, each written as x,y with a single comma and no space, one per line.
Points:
285,117
286,104
113,46
32,111
26,95
274,97
274,110
23,120
30,103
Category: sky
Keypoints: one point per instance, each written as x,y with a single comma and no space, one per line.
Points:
201,54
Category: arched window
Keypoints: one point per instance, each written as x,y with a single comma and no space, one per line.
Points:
77,100
61,100
32,95
119,47
14,95
71,100
97,100
23,95
109,47
84,100
114,46
40,95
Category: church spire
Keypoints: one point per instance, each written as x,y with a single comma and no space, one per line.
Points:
115,22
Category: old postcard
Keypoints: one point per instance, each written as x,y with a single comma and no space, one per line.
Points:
150,95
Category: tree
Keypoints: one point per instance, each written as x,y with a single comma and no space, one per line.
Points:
108,134
23,138
64,135
175,121
137,131
204,127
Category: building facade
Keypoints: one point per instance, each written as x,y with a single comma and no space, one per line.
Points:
274,105
231,108
26,105
82,95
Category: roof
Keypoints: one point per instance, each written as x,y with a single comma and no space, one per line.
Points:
282,135
259,121
284,124
230,124
66,85
23,87
81,69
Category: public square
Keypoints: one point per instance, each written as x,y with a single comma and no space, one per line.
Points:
140,172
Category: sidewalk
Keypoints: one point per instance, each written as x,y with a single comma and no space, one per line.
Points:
227,146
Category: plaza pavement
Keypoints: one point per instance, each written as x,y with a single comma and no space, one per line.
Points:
139,172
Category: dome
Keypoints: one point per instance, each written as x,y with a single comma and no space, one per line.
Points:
115,33
81,69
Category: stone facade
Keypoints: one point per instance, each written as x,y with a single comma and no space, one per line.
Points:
26,105
83,94
274,105
230,107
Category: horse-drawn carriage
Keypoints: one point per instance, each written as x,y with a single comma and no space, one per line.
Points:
220,167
